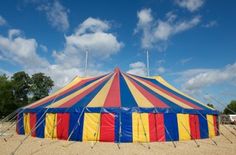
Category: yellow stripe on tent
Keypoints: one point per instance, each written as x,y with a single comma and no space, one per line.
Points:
138,96
73,82
140,127
210,123
99,99
67,98
27,123
163,94
91,129
183,126
50,130
165,83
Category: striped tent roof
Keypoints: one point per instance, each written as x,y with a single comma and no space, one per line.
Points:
119,90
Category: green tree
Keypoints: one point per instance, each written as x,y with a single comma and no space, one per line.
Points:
41,85
7,102
210,105
21,84
231,106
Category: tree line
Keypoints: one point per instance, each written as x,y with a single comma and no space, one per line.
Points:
21,89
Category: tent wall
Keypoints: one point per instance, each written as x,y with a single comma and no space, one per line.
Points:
118,127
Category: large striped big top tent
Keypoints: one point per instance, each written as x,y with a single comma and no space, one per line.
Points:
118,107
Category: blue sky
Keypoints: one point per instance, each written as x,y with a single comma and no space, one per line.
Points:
192,43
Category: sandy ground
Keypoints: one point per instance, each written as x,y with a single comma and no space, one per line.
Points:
37,146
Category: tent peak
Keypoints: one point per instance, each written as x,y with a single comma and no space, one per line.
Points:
117,69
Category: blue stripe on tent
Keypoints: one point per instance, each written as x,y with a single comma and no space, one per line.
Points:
85,100
20,124
171,124
69,93
203,126
117,127
127,99
126,127
163,99
179,95
40,124
173,92
75,117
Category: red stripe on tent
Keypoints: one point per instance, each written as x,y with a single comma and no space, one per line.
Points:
156,127
62,93
80,96
113,97
33,119
62,125
170,94
194,126
154,100
107,129
152,127
160,127
215,124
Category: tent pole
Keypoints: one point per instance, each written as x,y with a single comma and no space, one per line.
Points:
147,63
190,134
216,128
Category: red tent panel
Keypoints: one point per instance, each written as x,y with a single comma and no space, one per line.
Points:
33,119
62,125
107,128
194,126
156,127
215,124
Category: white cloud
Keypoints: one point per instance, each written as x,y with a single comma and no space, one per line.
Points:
69,62
2,21
17,48
57,15
161,70
191,5
155,33
196,79
137,68
210,24
91,35
186,60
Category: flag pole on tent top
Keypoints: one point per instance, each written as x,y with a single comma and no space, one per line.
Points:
86,62
147,63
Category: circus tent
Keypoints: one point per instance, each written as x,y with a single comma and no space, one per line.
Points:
118,107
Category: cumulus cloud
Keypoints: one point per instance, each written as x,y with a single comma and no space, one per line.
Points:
196,79
2,21
155,33
16,48
191,5
91,34
137,68
56,13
